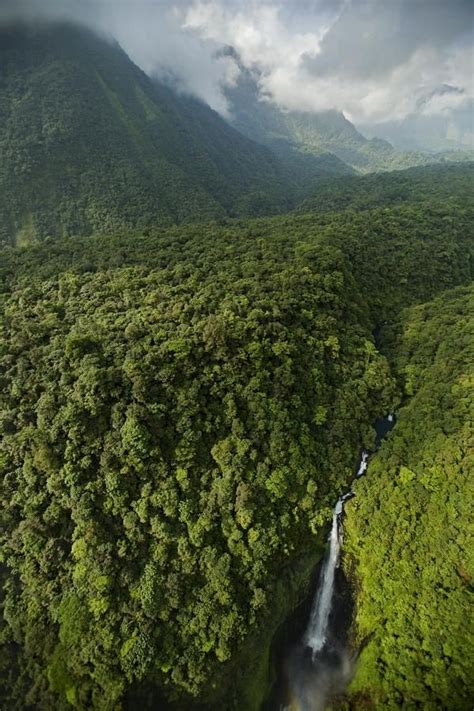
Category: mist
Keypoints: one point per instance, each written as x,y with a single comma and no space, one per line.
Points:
374,61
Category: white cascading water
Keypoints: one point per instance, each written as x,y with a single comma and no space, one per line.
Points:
316,633
318,623
363,464
312,679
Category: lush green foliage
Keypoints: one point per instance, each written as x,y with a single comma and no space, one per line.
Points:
156,476
179,409
88,142
408,528
385,248
415,185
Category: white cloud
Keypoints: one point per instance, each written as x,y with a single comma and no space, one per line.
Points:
257,30
157,41
372,59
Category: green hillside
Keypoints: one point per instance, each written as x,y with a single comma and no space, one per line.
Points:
179,410
407,531
88,142
416,185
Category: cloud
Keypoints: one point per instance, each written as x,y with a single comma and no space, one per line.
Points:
155,38
30,10
371,38
372,59
262,33
150,31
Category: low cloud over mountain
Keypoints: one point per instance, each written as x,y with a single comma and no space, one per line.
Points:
373,60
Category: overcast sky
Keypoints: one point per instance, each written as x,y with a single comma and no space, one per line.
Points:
373,59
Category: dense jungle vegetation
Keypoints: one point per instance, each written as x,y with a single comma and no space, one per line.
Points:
156,477
179,409
415,185
407,531
384,249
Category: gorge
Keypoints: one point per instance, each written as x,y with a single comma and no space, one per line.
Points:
322,662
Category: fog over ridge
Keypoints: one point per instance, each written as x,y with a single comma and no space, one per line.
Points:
374,60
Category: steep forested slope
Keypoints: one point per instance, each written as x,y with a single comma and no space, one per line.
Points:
407,531
88,142
179,410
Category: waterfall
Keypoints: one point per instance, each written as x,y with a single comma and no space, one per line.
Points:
363,464
318,623
316,633
319,665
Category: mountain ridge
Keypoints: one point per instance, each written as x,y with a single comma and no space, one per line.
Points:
304,133
88,142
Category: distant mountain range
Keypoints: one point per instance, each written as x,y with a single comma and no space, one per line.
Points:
89,142
305,137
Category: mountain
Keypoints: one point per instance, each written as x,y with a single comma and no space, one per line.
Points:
306,138
88,142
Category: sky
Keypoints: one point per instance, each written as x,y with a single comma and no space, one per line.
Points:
375,60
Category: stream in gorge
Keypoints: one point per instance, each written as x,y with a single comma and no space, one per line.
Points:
314,661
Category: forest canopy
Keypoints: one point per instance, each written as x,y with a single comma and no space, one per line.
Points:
407,529
179,410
